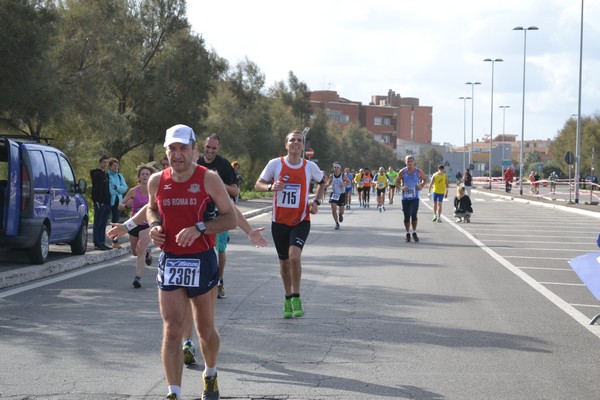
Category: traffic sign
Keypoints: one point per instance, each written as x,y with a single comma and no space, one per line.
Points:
310,153
569,158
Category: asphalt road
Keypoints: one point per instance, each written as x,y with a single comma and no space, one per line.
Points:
489,309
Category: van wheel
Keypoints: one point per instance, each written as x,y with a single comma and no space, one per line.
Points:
79,244
39,252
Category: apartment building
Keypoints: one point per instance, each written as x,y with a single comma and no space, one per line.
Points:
399,122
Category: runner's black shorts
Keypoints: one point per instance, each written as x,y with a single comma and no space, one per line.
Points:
173,274
341,201
285,236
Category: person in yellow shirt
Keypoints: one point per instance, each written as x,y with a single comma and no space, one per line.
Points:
380,180
359,186
439,183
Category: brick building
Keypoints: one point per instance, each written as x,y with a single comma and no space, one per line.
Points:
400,123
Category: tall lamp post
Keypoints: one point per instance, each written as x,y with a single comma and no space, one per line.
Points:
492,114
520,28
472,117
578,138
503,130
464,99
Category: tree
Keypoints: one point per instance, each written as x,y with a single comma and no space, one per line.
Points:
430,160
135,68
566,138
295,95
31,95
533,157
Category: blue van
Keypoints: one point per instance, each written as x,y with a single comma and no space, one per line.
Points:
40,201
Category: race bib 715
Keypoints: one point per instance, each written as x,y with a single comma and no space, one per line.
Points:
289,197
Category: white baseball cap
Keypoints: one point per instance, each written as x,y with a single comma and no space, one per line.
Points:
179,134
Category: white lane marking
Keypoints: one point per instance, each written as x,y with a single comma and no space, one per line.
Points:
562,284
585,305
64,277
537,258
559,302
542,249
551,269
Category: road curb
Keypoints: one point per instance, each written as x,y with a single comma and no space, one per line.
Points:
21,275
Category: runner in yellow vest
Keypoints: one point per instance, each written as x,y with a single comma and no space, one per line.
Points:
439,183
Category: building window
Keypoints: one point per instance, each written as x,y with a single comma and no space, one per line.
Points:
337,116
377,121
387,121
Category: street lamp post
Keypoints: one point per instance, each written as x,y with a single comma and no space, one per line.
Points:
472,117
464,99
578,136
503,130
492,115
520,28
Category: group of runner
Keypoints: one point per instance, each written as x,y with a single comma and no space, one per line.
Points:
408,181
180,222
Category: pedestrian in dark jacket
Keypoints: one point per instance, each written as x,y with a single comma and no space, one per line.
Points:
101,199
468,182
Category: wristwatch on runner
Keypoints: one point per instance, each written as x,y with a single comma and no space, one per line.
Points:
201,227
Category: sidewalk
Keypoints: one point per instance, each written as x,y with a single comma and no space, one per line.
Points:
15,274
545,201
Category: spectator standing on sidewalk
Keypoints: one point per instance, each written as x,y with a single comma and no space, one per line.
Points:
239,178
289,178
117,187
552,178
101,199
509,175
468,182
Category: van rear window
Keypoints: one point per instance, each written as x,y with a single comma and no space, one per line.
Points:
54,173
38,169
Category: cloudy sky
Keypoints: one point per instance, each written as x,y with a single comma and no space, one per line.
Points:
426,49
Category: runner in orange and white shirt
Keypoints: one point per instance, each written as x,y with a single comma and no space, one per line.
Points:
289,178
367,178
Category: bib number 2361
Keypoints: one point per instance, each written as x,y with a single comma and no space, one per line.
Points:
182,272
289,197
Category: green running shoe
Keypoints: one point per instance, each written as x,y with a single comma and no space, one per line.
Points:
211,389
297,310
171,396
287,308
221,291
189,353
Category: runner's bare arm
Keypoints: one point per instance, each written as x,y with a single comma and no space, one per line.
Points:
254,235
152,216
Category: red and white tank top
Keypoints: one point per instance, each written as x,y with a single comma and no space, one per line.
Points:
181,205
290,205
